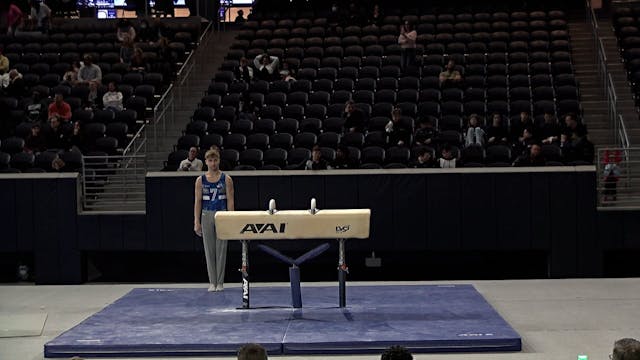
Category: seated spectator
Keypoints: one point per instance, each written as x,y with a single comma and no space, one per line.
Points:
252,352
4,62
76,140
474,134
396,353
550,130
244,72
57,134
354,117
124,27
342,158
138,62
447,160
424,160
316,162
59,108
70,77
375,17
191,163
533,157
40,16
16,86
112,99
524,142
573,128
126,50
266,66
34,106
398,132
517,127
240,18
35,141
286,76
450,77
626,349
89,72
496,133
146,33
581,149
426,132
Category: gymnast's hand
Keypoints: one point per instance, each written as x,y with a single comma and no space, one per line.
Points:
198,229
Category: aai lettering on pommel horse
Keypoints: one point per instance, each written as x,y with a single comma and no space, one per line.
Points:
273,224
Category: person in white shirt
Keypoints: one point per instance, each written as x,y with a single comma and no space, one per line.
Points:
447,160
191,163
112,99
265,66
40,15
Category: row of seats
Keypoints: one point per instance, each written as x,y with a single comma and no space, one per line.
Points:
371,157
30,163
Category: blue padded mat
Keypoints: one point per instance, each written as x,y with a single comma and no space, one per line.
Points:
173,322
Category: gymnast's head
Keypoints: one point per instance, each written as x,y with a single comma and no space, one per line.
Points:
397,352
212,158
252,352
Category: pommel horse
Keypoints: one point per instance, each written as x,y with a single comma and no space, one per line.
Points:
273,224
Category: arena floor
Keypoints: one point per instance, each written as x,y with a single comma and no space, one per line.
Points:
557,319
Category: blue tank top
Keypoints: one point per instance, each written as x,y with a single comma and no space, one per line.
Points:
214,194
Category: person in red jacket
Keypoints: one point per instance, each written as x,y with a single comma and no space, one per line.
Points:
60,108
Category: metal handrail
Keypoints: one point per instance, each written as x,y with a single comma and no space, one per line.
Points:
624,137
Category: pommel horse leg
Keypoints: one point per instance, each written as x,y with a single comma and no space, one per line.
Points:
343,270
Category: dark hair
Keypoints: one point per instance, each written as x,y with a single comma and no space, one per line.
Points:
626,349
396,352
252,352
421,151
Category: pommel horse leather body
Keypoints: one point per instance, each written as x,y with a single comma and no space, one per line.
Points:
293,224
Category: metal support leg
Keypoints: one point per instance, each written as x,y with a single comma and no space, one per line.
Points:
343,270
245,274
296,294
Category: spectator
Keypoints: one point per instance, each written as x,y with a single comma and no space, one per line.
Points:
496,133
249,112
450,77
126,50
396,353
447,160
524,142
76,141
40,16
375,17
146,33
71,76
626,349
550,130
112,99
517,127
4,62
342,158
407,41
352,16
611,175
57,134
34,106
252,352
10,17
533,157
191,163
168,56
138,62
124,27
244,72
285,75
16,86
424,159
89,72
240,17
398,132
354,117
316,162
58,164
426,132
266,66
475,134
59,108
574,129
583,149
35,141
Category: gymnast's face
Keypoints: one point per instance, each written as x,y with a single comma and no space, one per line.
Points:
213,163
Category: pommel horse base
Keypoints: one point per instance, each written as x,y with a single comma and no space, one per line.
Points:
293,225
